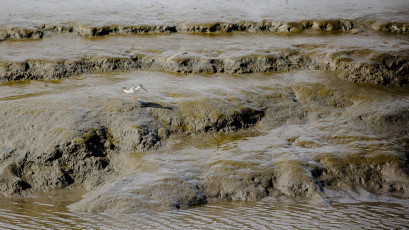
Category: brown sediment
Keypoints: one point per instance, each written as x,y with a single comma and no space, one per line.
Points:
392,27
357,65
90,136
20,33
372,171
334,25
87,142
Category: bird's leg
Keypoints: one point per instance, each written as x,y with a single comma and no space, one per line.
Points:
123,99
133,102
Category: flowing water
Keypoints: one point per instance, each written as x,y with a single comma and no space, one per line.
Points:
310,116
222,46
49,213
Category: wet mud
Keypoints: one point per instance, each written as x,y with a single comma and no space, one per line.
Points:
243,110
371,67
264,26
196,139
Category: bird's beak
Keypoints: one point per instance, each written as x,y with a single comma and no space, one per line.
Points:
144,89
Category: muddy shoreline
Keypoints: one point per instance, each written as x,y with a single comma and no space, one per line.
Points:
240,111
379,68
264,26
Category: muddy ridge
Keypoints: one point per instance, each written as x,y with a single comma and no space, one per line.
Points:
378,68
337,25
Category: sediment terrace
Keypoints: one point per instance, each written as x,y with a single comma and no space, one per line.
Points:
264,26
368,57
234,111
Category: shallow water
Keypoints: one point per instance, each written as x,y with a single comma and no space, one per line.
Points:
31,13
34,213
66,46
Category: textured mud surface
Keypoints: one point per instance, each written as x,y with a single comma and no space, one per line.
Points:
194,139
253,105
379,68
380,59
217,27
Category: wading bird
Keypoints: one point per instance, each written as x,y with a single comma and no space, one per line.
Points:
132,90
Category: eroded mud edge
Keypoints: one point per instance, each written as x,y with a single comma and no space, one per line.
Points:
90,161
337,25
373,67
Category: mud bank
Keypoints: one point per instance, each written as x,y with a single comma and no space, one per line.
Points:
357,65
191,141
265,26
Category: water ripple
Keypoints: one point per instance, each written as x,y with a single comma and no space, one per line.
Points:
227,215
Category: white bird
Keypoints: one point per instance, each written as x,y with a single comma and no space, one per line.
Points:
132,90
